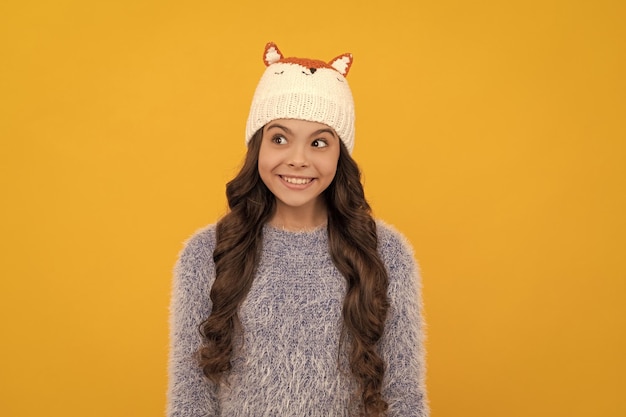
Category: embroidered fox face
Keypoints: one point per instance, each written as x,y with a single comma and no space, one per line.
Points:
273,56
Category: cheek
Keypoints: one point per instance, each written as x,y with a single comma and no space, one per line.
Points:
265,160
267,167
264,168
329,167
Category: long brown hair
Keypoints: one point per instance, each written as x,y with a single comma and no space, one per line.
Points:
352,245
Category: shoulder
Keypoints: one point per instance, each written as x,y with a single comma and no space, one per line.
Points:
198,249
201,239
394,248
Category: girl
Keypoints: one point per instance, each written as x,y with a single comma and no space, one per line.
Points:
297,302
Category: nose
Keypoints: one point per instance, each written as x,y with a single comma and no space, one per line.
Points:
297,157
312,70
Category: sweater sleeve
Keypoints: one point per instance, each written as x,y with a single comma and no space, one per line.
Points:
402,345
189,393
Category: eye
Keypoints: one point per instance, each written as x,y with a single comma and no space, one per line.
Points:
279,139
319,143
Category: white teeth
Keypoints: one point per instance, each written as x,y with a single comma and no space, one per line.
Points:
299,181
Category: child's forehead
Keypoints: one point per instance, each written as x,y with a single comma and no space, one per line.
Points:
306,62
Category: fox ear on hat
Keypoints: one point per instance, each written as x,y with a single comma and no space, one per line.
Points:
272,54
342,63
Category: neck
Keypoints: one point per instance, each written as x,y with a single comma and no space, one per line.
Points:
299,218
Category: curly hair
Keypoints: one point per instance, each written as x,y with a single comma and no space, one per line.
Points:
353,246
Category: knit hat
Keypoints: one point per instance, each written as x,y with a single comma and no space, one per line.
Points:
305,89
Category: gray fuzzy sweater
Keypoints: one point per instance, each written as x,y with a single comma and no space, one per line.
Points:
288,363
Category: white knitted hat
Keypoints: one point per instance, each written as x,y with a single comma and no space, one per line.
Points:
305,89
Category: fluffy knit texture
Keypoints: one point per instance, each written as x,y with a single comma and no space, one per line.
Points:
305,89
291,318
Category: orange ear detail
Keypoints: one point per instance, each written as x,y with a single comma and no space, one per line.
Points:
342,63
272,54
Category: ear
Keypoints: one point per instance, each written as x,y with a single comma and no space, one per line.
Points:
342,63
271,54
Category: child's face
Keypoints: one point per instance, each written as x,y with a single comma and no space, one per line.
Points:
298,161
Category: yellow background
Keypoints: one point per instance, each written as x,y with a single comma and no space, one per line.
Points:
492,133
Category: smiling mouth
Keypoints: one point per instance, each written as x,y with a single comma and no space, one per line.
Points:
296,180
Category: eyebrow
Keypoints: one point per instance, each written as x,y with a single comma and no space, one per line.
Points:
286,129
317,132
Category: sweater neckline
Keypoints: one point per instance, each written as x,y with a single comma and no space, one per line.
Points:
302,232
